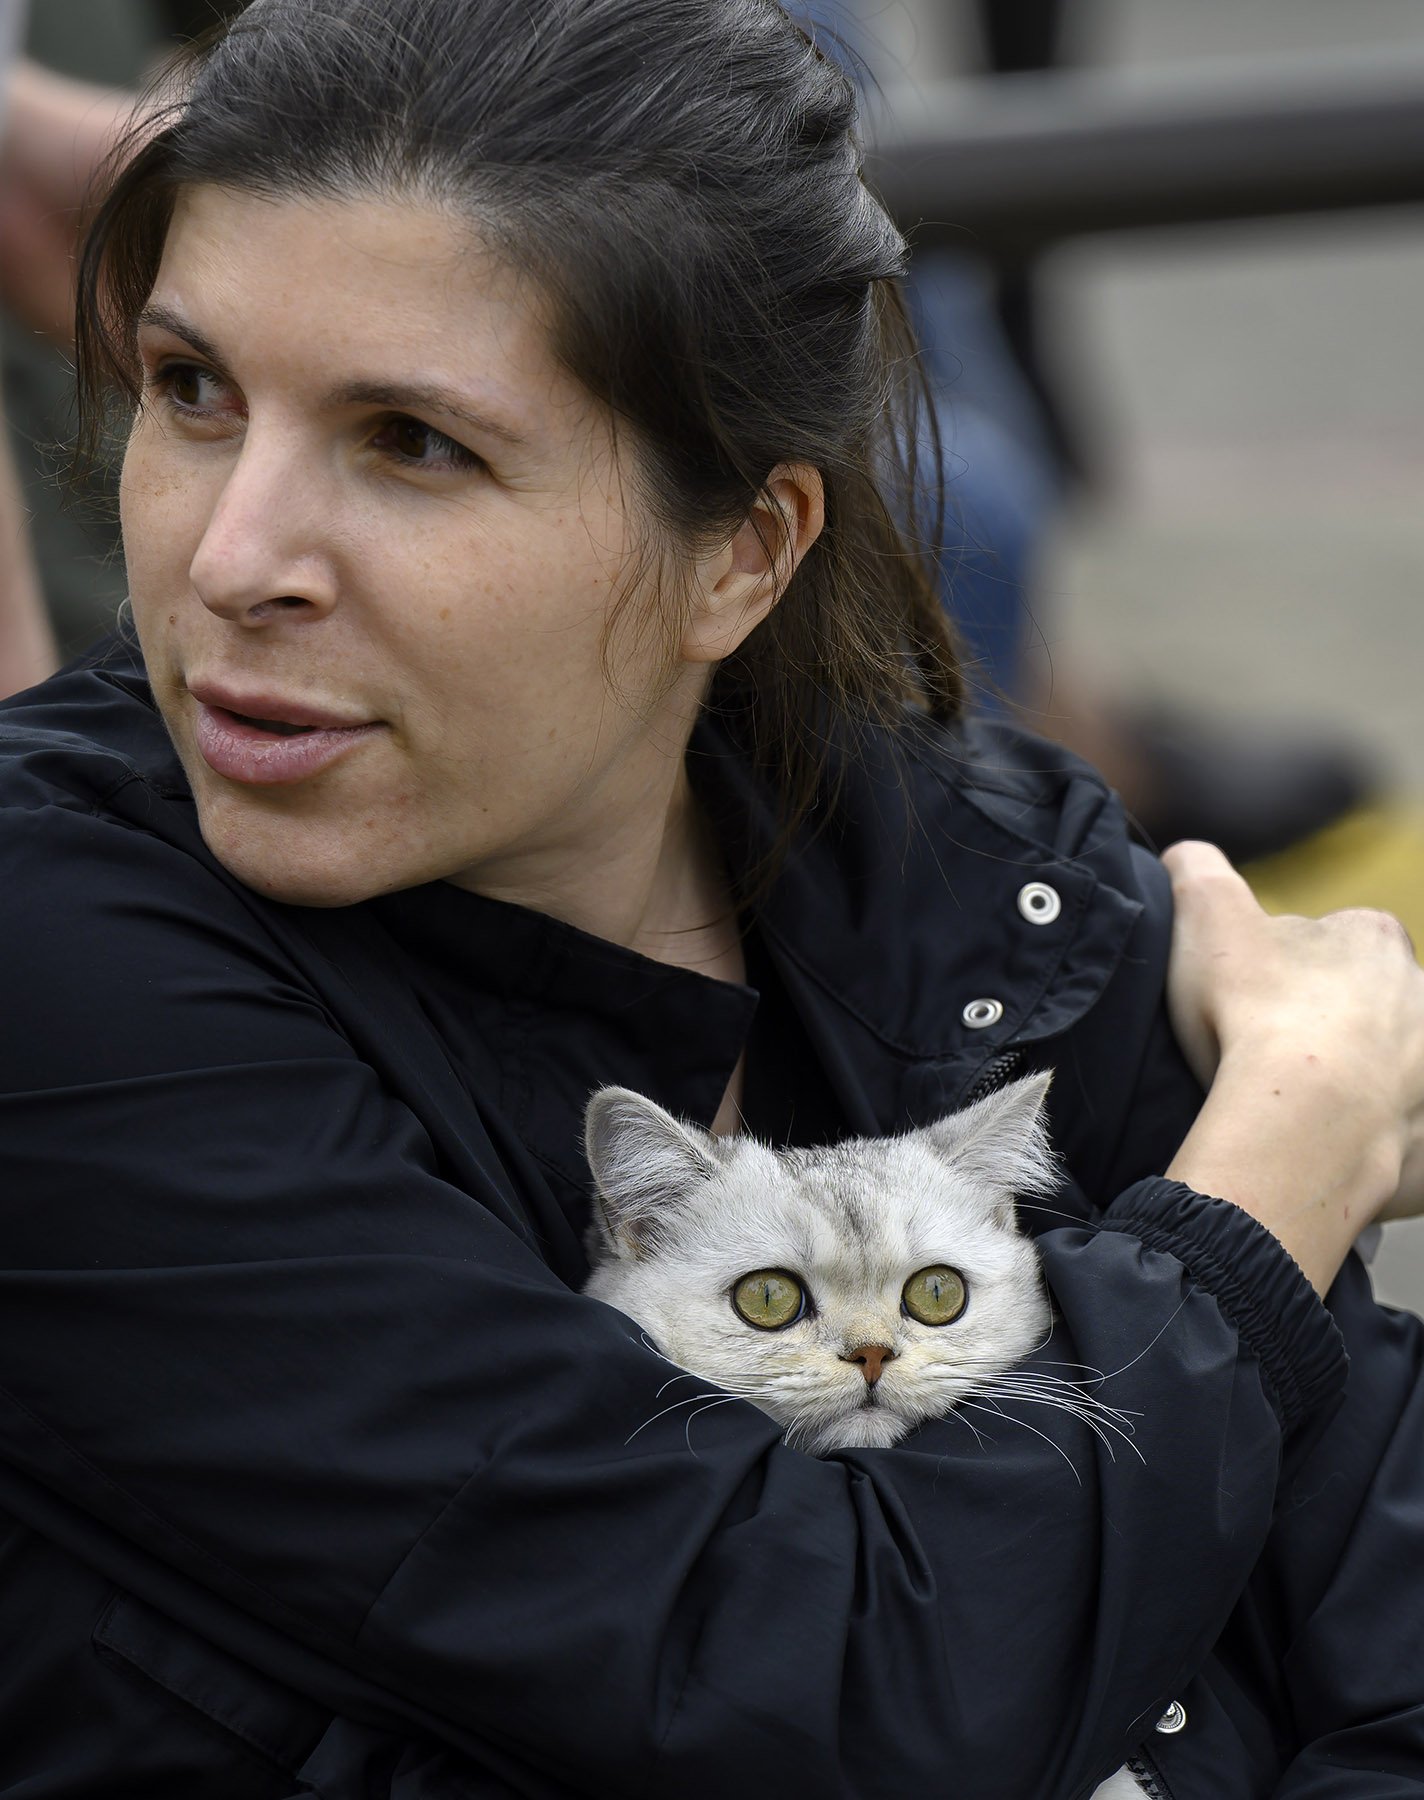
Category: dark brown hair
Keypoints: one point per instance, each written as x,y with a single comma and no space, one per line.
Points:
683,179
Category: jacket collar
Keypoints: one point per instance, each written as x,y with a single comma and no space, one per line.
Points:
892,922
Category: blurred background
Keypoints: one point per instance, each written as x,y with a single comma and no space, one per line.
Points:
1253,396
1185,527
1244,543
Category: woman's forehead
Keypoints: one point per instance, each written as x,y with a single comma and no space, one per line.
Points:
363,297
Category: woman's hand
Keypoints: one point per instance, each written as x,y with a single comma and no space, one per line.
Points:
1309,1034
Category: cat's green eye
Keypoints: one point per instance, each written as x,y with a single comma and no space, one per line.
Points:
935,1296
769,1299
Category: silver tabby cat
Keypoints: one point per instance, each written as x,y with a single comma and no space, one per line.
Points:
852,1292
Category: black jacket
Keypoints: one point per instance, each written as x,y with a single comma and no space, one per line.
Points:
317,1472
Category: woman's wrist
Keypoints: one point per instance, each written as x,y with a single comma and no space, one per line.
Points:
1293,1142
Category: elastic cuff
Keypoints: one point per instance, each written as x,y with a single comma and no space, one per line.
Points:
1256,1282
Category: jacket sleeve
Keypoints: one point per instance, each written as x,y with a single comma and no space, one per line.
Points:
1350,1538
249,1324
1338,1592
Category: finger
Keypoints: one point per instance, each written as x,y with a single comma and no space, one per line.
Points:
1193,856
1203,879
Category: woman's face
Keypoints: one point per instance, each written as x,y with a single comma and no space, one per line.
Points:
374,536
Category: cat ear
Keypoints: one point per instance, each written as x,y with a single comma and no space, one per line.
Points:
645,1163
1001,1142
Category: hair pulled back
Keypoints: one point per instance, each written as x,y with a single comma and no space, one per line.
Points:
682,178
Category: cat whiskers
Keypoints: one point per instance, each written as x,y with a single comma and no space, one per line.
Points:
681,1375
656,1349
713,1401
1035,1375
1053,1212
978,1406
1034,1387
1115,1419
800,1424
969,1425
712,1397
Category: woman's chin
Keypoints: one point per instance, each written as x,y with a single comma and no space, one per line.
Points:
291,886
287,860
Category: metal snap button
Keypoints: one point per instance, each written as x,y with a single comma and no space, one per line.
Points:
980,1013
1039,903
1172,1720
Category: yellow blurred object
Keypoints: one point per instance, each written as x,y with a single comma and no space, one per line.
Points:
1373,857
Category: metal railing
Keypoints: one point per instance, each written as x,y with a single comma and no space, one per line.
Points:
1012,164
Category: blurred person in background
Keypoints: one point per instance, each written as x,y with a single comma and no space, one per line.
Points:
72,67
27,652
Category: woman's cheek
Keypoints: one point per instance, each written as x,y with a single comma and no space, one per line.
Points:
163,508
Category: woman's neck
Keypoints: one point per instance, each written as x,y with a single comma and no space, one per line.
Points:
656,883
690,917
648,875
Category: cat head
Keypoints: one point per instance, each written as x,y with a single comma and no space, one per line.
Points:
852,1291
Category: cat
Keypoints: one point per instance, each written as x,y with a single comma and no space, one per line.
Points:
852,1292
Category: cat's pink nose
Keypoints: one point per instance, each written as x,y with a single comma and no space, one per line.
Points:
870,1357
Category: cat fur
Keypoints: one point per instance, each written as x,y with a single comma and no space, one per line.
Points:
681,1216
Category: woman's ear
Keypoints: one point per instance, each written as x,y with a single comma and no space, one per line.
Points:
738,585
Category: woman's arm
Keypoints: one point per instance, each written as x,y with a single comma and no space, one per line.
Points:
250,1323
27,647
57,133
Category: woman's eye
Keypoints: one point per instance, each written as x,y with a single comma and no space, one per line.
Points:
769,1299
188,387
935,1296
412,441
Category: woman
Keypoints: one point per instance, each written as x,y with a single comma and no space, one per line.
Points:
529,668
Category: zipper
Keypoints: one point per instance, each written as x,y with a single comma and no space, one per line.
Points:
1148,1776
995,1073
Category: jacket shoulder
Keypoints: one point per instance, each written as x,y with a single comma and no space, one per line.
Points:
79,737
131,950
1031,786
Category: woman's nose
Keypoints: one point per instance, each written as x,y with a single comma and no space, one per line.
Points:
264,553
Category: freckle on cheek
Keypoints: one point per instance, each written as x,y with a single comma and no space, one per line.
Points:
444,612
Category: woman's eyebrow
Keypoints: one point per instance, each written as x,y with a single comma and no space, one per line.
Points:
422,397
165,318
400,396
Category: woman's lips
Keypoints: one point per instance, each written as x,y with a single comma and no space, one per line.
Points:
267,753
